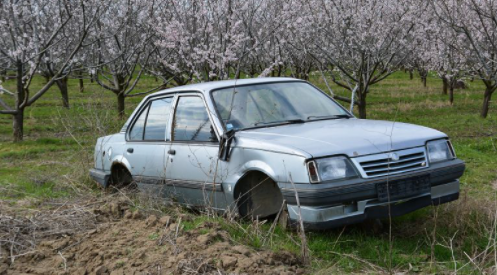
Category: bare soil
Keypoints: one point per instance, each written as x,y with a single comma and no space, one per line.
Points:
102,237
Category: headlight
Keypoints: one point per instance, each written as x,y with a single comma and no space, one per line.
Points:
439,150
330,169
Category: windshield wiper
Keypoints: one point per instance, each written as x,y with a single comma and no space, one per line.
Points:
328,117
288,121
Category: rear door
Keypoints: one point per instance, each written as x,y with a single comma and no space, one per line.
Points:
193,154
147,142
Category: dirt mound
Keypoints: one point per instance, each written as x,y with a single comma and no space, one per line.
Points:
131,242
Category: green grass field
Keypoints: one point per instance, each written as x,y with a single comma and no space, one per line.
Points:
57,152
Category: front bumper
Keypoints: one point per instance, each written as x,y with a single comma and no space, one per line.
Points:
353,190
316,218
331,205
100,176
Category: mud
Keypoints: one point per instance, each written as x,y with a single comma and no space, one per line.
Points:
123,241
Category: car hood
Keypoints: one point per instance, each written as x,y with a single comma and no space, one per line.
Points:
352,137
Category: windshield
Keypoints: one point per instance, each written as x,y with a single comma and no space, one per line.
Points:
274,103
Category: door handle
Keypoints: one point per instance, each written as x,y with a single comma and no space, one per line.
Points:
130,150
171,152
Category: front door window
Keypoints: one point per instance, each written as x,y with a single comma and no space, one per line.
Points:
191,122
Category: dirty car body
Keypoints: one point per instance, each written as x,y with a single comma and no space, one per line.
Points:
255,145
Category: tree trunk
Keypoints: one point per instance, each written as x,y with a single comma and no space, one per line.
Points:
18,122
18,125
486,102
411,75
81,85
423,78
362,110
308,73
451,94
445,85
361,94
62,84
237,74
120,105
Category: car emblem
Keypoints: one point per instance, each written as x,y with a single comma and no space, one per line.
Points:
394,157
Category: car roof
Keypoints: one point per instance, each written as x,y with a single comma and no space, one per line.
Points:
205,87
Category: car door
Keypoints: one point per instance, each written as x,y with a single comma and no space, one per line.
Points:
146,143
193,154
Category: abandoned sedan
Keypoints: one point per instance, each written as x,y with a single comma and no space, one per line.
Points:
261,145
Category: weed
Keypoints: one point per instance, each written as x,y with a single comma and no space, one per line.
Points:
120,264
153,236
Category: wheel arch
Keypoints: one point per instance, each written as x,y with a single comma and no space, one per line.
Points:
244,177
118,167
244,185
120,160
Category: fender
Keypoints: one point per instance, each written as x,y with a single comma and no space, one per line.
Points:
260,166
230,183
120,160
251,166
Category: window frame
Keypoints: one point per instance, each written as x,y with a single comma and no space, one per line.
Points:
209,115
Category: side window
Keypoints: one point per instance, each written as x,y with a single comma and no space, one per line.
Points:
158,116
191,121
136,132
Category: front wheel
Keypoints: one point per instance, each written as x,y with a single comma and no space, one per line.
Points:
258,196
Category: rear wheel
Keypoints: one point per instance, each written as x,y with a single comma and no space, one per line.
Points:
258,196
121,178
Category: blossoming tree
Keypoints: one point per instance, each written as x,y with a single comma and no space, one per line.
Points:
31,33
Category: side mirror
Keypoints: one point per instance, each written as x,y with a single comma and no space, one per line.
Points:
225,145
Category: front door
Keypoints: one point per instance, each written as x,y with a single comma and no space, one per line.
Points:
193,155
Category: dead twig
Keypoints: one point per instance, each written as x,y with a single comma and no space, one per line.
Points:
64,259
303,239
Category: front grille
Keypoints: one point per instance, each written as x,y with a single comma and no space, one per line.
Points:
387,164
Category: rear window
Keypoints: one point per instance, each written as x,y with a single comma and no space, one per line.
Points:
152,121
138,128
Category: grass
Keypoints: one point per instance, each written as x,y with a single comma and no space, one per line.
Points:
58,151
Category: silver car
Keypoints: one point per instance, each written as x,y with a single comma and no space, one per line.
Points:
260,145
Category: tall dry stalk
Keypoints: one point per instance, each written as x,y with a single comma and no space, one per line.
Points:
303,238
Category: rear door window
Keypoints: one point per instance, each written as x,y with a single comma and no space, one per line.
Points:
157,119
152,122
